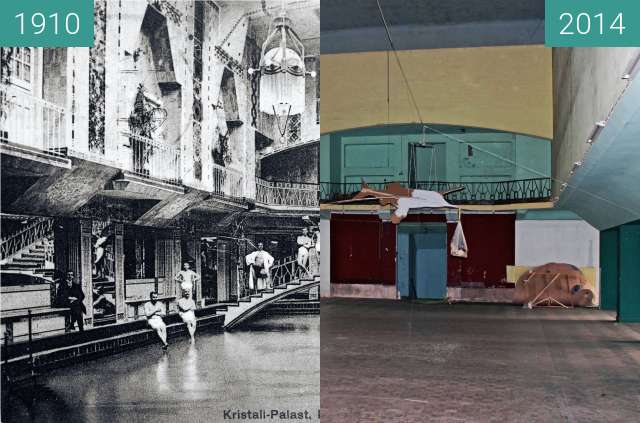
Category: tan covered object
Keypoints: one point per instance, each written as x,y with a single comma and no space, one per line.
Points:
553,284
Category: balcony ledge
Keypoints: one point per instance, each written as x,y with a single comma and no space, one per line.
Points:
30,153
132,185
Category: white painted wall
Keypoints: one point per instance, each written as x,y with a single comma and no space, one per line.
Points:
561,241
325,258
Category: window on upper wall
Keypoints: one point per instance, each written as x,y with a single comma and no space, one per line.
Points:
22,67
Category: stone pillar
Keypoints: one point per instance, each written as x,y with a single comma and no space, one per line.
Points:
193,251
198,268
60,245
118,252
224,252
175,254
325,254
85,274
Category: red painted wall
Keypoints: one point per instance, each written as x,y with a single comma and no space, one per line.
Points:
491,242
363,250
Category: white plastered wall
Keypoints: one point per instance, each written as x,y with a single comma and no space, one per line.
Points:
325,260
561,241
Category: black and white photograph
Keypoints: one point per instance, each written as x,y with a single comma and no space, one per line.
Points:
160,243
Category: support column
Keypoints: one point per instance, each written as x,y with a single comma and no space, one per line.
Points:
119,273
629,273
325,251
224,261
85,274
193,251
198,264
60,245
176,265
609,269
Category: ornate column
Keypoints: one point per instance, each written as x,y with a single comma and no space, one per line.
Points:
175,255
198,268
86,264
118,252
224,255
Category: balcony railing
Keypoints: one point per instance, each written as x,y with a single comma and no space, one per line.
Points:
286,194
503,192
32,122
228,182
154,159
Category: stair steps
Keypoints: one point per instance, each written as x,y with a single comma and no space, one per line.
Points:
248,306
30,260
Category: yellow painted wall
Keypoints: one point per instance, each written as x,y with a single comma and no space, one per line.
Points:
505,88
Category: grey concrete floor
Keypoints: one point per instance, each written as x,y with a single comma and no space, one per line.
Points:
392,361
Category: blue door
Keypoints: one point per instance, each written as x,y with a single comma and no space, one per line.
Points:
403,263
430,262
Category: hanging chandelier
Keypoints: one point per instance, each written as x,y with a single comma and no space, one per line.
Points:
282,69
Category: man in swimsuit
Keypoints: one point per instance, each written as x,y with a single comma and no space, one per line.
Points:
187,279
154,311
305,243
186,310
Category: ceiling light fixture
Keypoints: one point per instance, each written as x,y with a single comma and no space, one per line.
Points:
282,69
596,131
632,69
576,165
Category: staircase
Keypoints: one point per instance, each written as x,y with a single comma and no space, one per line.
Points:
32,260
246,307
29,250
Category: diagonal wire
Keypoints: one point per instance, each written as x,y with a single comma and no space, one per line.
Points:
418,114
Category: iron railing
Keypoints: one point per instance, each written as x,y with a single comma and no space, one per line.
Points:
286,270
33,122
501,192
288,194
228,182
154,159
39,229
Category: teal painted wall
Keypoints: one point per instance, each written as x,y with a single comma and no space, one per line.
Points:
382,154
547,214
620,271
629,273
609,269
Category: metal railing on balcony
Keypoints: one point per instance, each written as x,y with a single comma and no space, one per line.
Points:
154,159
287,194
228,182
32,122
502,192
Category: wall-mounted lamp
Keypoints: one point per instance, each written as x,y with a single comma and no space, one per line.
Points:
596,131
632,70
576,165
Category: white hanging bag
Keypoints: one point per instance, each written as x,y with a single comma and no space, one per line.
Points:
458,243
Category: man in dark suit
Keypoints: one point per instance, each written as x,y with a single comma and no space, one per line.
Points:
70,296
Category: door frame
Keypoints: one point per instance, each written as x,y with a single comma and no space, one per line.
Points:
410,228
